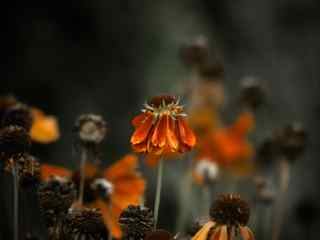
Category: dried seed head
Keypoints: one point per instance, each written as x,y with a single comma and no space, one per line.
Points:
158,101
84,223
230,210
195,53
55,197
18,115
136,221
291,140
252,93
14,140
159,235
29,171
212,72
91,129
5,103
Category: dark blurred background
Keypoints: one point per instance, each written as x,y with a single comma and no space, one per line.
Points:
73,57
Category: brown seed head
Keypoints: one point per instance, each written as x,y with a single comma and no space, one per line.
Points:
85,223
230,210
14,141
18,115
158,101
136,221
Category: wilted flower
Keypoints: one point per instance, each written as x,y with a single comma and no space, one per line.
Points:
136,221
45,128
162,128
229,217
121,181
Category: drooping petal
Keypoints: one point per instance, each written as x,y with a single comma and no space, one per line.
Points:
139,119
216,234
243,124
171,136
246,233
223,233
186,134
141,133
158,137
202,234
47,171
141,147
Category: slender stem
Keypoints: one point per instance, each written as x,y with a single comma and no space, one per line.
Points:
206,199
280,204
158,193
109,227
82,175
15,203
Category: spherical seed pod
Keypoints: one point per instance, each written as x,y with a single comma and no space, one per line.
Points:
136,221
56,197
91,129
84,223
252,93
230,210
18,115
14,140
195,53
291,140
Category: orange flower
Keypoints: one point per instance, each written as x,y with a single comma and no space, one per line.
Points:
44,128
162,128
122,182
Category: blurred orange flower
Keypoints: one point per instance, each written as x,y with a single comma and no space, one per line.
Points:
44,129
229,146
162,128
122,183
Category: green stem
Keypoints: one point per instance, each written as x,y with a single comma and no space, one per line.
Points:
158,193
82,175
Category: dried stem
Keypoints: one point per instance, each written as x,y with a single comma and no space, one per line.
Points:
15,177
158,193
82,175
280,204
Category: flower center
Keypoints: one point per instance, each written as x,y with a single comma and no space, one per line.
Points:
162,100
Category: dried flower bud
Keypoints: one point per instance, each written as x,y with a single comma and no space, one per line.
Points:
55,198
230,210
91,129
206,171
136,221
291,140
18,115
14,140
195,53
252,93
84,223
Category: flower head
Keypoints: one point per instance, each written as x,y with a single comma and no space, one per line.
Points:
136,221
84,223
229,217
161,128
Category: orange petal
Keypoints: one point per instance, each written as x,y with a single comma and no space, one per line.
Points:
131,186
244,123
47,171
141,147
246,233
223,233
122,167
171,136
141,133
44,128
202,234
186,134
138,120
158,137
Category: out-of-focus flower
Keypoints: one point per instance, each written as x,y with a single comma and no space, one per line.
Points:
110,190
161,128
252,93
135,222
229,146
84,224
45,128
205,171
229,217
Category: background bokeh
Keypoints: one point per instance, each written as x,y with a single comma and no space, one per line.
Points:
107,57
